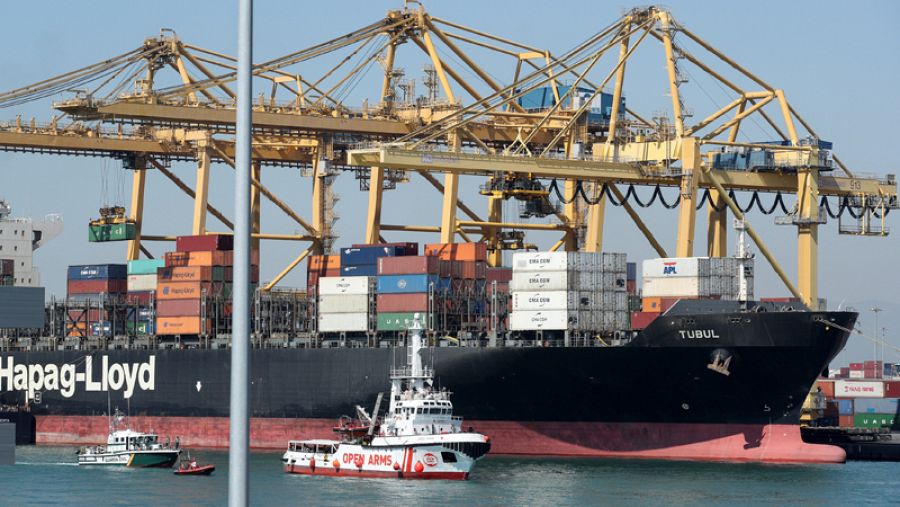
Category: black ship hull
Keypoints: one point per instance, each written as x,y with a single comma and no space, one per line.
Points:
685,381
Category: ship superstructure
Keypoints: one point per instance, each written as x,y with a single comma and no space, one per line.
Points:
20,237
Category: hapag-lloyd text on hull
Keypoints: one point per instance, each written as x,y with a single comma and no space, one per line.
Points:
65,378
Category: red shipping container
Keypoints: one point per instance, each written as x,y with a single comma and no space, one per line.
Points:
827,387
97,287
455,270
845,371
444,268
407,248
458,251
139,298
472,270
631,286
178,308
409,265
779,300
892,389
498,275
640,320
205,243
254,273
417,302
89,315
856,366
846,421
181,259
501,288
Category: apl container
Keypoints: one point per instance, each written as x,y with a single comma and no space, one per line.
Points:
346,285
343,303
695,287
676,267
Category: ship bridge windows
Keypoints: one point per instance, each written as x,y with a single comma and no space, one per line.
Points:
448,457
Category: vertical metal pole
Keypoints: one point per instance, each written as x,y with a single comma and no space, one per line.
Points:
238,444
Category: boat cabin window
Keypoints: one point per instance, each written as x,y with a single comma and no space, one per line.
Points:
448,457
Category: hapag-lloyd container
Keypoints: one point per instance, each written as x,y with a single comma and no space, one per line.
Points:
538,320
858,389
178,307
550,300
186,290
539,281
217,258
346,285
343,303
182,325
343,322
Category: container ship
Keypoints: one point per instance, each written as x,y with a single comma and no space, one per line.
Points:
556,356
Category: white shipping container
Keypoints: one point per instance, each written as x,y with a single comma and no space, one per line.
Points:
585,321
581,300
582,261
856,389
583,280
676,267
623,320
540,261
533,301
675,287
539,281
532,321
330,285
343,322
343,303
141,283
857,374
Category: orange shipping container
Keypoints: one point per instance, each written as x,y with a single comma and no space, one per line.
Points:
181,259
320,262
185,290
827,388
187,274
846,421
181,325
457,251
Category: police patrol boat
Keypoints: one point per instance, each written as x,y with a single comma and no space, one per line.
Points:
127,447
418,438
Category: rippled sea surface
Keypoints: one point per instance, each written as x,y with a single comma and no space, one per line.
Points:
45,475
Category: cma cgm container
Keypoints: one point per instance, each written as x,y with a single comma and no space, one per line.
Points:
539,320
98,272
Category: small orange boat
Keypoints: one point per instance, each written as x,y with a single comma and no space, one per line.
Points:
191,467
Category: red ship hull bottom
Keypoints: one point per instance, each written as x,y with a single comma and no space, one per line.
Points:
775,443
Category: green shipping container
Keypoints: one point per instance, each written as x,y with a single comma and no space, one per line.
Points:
399,321
875,421
139,327
110,232
145,266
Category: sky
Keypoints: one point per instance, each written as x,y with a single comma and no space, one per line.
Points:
837,63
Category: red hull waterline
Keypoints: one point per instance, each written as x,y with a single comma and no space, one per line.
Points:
772,443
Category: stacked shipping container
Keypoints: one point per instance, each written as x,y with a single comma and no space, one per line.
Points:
862,403
87,287
560,290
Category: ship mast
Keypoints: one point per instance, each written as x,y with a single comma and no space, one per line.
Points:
415,373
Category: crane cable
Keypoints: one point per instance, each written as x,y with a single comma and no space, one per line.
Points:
876,340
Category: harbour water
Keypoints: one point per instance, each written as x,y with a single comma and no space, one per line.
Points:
46,476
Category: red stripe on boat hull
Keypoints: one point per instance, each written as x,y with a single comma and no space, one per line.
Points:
372,474
708,442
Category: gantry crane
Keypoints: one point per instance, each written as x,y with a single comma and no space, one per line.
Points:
481,127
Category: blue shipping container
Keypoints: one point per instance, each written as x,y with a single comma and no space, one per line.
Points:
98,272
145,266
406,284
359,270
875,406
368,255
142,314
845,407
631,271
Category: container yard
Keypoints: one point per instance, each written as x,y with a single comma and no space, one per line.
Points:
554,341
